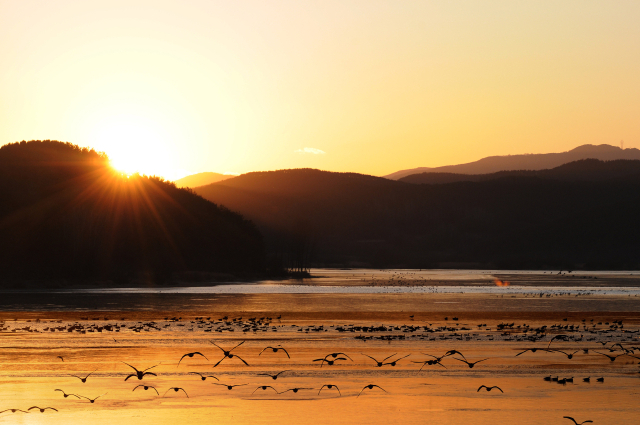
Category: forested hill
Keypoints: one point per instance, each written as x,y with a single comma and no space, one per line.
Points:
65,213
513,222
583,170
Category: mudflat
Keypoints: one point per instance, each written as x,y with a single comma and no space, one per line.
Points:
48,337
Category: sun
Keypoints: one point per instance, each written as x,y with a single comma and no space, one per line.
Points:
135,144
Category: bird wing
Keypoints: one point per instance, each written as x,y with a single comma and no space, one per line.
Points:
481,387
498,388
154,389
133,374
569,417
182,358
389,356
460,360
137,388
242,360
263,350
197,352
236,346
211,376
151,367
131,366
278,374
34,407
185,393
149,373
90,374
522,352
220,361
286,352
52,408
368,356
380,388
346,355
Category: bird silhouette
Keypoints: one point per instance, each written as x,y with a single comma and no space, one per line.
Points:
93,400
329,362
370,386
191,355
612,358
13,411
146,387
42,409
176,389
264,387
569,355
533,350
334,355
227,354
470,364
330,386
230,387
452,352
295,390
83,380
489,388
393,363
274,377
275,350
67,395
140,374
562,337
379,363
576,422
203,377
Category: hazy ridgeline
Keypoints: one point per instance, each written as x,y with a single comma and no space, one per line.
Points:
65,213
554,218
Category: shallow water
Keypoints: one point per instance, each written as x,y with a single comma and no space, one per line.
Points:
136,327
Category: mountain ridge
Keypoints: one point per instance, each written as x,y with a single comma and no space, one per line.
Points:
493,164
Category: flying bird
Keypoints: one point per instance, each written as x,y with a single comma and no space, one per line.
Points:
42,409
83,380
370,386
204,377
274,377
228,354
489,388
378,363
176,389
393,363
67,395
295,390
230,387
576,422
146,387
140,374
329,362
612,358
264,387
470,364
191,355
94,399
275,350
330,386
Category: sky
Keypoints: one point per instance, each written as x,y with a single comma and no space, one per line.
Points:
178,87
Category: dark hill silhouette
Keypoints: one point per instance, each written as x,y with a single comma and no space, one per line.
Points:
493,164
201,179
65,213
583,170
513,222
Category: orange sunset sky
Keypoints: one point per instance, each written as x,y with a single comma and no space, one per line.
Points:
178,87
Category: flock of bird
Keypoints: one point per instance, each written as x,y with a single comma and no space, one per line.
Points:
526,333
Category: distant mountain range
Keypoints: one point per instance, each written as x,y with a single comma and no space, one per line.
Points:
494,164
558,219
583,170
201,179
